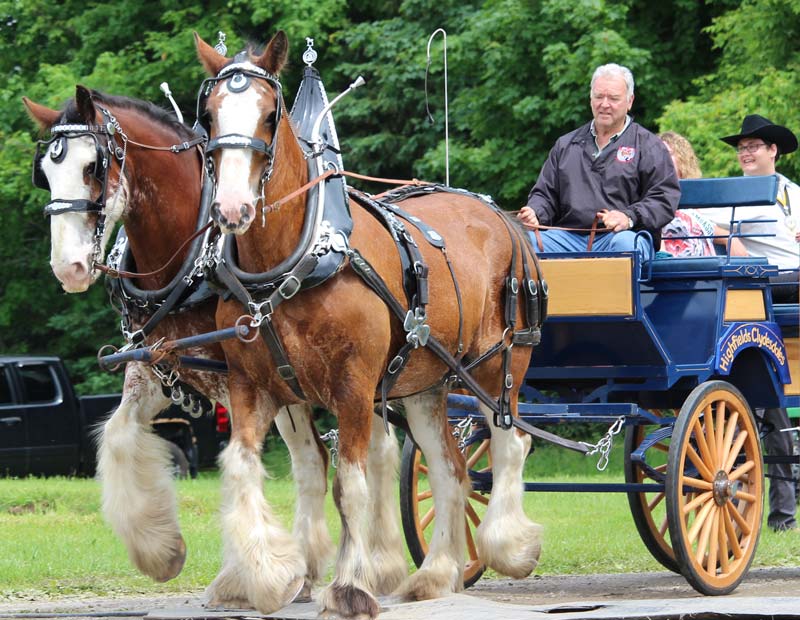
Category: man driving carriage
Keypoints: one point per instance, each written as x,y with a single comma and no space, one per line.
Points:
611,170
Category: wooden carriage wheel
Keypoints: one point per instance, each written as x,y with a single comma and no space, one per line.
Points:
416,503
648,509
716,454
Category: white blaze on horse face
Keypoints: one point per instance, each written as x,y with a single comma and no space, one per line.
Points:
238,113
71,234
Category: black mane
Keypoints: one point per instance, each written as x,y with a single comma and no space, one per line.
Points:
159,115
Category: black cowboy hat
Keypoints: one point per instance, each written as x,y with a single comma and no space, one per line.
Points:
755,126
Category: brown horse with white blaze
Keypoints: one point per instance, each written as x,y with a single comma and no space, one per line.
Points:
156,193
340,337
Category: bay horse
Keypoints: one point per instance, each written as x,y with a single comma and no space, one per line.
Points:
111,159
339,337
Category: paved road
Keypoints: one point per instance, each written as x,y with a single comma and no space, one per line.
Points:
765,593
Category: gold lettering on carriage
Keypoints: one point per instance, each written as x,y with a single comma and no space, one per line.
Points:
750,335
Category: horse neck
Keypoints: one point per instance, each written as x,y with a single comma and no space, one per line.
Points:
262,247
163,202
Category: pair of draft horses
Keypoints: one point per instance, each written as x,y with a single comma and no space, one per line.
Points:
339,337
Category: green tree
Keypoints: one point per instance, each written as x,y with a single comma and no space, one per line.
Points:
759,59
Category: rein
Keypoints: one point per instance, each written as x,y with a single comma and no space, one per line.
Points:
119,273
329,173
593,231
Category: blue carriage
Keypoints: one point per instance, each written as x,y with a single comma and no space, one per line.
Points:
681,353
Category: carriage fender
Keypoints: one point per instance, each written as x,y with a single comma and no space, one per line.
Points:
765,336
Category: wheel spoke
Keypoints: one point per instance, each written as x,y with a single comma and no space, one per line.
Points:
723,542
423,469
656,500
702,498
708,420
699,521
483,499
720,431
713,544
473,516
697,484
472,551
735,449
732,422
426,520
701,442
704,471
744,495
421,497
740,520
733,539
479,452
705,534
741,470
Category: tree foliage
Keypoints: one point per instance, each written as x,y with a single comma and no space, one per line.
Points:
518,77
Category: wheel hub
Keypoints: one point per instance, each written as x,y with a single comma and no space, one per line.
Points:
724,488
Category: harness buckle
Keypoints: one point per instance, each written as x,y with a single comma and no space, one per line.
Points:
395,365
289,287
286,372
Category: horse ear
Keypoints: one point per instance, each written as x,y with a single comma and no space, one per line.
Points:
41,115
83,100
274,57
211,59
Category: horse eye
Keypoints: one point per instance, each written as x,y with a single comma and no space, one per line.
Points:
270,119
89,170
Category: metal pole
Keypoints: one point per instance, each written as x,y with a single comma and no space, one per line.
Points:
446,109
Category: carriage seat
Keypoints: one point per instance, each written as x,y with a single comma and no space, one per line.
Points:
721,192
710,266
729,191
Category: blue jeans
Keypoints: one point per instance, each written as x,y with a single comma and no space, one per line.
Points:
565,241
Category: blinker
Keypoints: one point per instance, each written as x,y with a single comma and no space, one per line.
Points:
58,151
238,83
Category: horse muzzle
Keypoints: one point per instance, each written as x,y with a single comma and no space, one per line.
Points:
232,219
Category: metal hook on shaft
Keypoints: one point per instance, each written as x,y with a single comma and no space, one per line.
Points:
446,109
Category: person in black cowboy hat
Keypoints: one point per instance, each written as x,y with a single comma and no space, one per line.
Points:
759,145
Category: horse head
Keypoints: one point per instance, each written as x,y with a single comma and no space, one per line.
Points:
241,106
73,164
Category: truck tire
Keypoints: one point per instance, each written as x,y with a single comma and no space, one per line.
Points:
179,462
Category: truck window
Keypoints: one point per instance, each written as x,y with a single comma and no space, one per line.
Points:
5,387
37,380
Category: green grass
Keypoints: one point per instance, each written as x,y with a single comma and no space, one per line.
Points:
53,540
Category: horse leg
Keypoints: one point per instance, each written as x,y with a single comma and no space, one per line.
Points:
262,563
383,533
349,595
309,470
133,465
506,539
442,571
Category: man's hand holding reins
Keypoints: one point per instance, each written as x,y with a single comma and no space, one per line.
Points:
527,217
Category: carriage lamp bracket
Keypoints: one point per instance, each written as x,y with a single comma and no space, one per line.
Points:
605,444
333,437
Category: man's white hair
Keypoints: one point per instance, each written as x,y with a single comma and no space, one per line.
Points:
613,70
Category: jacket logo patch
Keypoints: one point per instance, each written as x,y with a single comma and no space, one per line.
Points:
625,154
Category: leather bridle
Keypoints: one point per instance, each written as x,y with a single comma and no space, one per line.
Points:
239,75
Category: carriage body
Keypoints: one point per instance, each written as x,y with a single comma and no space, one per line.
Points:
668,350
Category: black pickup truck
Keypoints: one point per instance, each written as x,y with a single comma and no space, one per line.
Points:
45,429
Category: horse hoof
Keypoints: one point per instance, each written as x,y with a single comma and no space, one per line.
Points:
347,601
174,565
304,596
294,591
